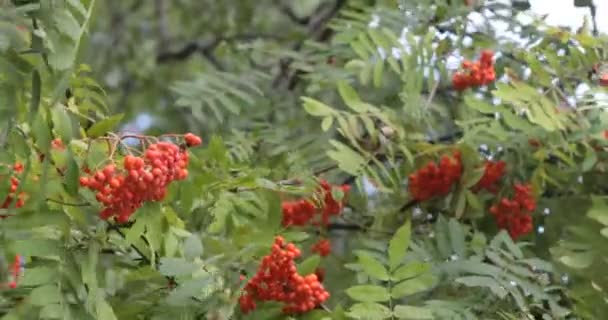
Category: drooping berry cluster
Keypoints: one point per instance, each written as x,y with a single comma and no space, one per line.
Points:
322,247
304,211
514,215
475,74
277,279
435,180
18,168
16,271
142,179
494,170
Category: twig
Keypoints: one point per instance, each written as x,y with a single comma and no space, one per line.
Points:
408,205
207,46
84,204
316,28
288,11
593,9
134,247
353,227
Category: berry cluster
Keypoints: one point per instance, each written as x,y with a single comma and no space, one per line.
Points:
277,279
514,214
18,168
302,212
478,73
494,170
16,270
322,247
142,179
435,180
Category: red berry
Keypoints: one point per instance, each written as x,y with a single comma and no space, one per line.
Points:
192,140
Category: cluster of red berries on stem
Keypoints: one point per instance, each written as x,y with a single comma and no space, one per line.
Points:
18,168
494,171
435,180
277,279
141,179
16,271
475,74
322,247
304,211
514,215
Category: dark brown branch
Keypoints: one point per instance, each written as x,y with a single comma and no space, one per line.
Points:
288,11
408,205
316,30
593,9
206,47
134,247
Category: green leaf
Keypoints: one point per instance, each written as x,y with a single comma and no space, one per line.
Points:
590,160
67,24
413,313
47,294
473,200
457,237
42,132
487,282
461,203
351,98
577,260
38,247
62,123
347,159
36,91
72,176
64,52
413,286
326,123
38,275
369,311
193,247
372,267
368,293
317,108
102,127
378,73
410,270
309,265
104,310
398,245
471,177
176,267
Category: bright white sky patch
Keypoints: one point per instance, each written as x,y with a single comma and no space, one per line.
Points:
564,13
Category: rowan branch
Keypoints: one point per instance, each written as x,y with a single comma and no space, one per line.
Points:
288,11
206,47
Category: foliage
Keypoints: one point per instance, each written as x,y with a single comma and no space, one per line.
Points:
323,108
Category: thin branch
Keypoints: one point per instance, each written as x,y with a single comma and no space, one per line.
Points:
288,11
316,30
84,204
593,9
408,205
187,50
134,247
206,47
